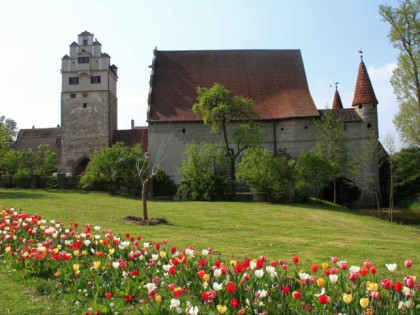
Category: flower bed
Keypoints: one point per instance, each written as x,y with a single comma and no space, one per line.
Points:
106,273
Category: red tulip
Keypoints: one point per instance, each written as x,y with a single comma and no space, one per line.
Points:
397,286
314,268
108,295
322,299
386,284
234,303
230,288
295,259
373,270
376,295
408,263
409,282
204,296
286,290
172,270
296,295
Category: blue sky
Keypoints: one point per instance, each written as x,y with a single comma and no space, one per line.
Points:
36,35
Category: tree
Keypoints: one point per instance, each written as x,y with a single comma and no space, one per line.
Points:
332,144
407,172
389,144
264,172
199,180
147,170
112,169
219,110
405,36
364,167
313,173
8,129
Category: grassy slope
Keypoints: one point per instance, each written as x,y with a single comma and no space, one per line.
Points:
314,232
236,230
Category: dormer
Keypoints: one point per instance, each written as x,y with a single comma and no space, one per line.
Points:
85,39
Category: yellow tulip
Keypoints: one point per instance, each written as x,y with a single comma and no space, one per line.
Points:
76,252
364,302
233,263
14,237
324,265
76,267
8,248
162,254
158,298
111,250
96,264
221,309
372,286
347,298
84,253
206,277
55,250
320,282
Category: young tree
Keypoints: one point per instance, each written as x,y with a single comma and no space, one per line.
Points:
405,36
219,110
147,170
332,143
365,167
314,172
264,172
389,144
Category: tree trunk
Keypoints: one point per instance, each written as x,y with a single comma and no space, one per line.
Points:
144,199
335,190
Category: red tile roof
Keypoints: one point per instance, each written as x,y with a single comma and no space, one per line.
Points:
274,79
363,93
337,104
132,137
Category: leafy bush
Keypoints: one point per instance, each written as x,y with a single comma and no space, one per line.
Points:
407,172
198,168
265,173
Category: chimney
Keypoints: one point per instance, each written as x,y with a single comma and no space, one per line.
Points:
132,123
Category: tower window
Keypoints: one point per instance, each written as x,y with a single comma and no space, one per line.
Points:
84,105
73,80
369,125
183,130
360,106
306,127
96,79
73,95
85,42
84,59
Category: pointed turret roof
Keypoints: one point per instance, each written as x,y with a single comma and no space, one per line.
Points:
337,104
363,93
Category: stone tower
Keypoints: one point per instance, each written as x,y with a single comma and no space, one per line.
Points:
365,104
88,103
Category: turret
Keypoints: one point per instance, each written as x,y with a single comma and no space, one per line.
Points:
364,100
337,104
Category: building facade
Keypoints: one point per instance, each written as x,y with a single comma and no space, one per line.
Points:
89,103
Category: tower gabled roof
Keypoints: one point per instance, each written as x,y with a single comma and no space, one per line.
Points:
337,104
363,93
85,33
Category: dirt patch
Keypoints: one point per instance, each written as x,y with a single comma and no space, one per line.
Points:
140,221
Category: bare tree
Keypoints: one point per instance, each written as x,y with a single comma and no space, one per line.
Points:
390,147
148,169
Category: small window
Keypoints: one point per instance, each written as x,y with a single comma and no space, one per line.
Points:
73,80
96,79
360,106
73,95
281,128
83,59
374,106
84,105
85,42
183,130
369,125
58,141
306,127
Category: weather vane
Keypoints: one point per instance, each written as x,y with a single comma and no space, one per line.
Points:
361,54
336,84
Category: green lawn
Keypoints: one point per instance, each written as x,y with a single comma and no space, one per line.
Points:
314,232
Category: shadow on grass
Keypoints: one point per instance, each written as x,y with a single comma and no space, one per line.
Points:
20,195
